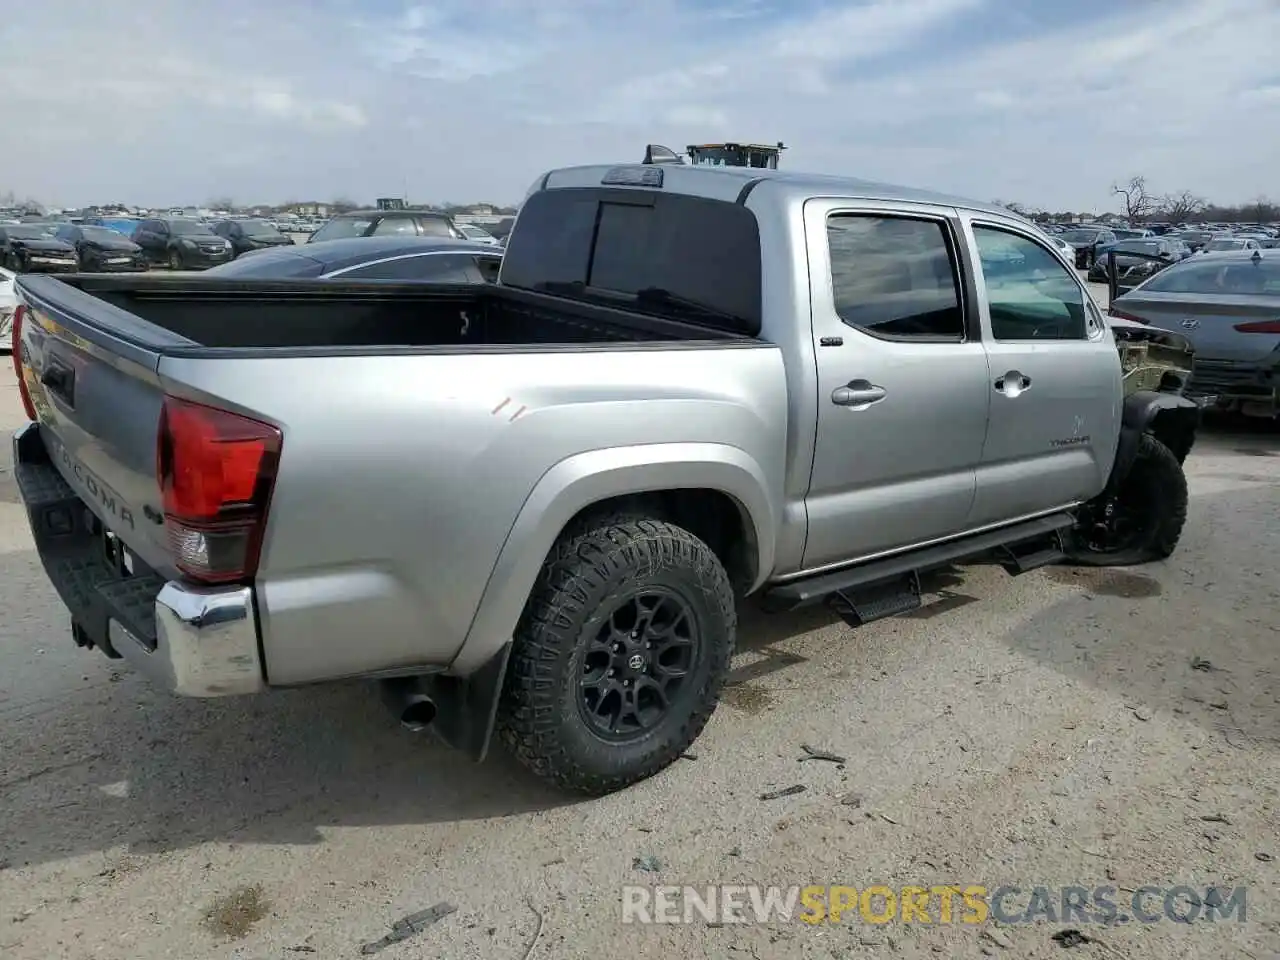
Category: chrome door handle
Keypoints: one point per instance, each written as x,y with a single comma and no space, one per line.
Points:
858,393
1013,383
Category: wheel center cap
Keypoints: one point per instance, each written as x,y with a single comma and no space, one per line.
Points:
636,662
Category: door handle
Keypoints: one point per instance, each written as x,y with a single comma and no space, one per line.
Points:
858,393
1013,383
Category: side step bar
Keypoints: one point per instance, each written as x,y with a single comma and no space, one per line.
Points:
888,587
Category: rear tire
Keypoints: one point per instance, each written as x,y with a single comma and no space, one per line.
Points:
175,259
1150,512
620,655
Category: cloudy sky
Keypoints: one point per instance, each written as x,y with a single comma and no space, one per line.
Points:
1042,101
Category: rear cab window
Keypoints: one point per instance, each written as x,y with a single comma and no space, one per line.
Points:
663,254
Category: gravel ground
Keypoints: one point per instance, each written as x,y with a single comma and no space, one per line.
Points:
1069,726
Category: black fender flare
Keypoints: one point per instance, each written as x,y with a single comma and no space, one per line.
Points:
1170,418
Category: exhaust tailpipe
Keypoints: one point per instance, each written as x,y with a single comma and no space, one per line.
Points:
409,703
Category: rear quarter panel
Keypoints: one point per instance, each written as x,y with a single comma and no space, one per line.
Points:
402,477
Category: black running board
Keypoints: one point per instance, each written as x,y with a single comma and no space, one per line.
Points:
888,587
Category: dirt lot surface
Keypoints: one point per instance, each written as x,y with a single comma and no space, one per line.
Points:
1069,726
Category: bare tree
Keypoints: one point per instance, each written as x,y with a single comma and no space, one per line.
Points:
1180,207
342,204
1262,210
220,203
1137,201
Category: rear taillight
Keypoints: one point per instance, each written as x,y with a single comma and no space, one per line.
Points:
1259,326
216,470
15,351
1122,315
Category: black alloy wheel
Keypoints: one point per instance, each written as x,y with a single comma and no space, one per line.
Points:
636,665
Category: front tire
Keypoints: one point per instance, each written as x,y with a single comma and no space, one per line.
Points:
1149,512
620,655
175,259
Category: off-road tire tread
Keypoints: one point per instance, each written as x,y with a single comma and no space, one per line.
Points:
587,554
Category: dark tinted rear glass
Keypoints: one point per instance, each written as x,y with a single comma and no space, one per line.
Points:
619,242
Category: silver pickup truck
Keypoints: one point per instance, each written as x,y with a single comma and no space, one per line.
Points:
532,507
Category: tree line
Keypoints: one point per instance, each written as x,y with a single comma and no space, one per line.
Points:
1139,203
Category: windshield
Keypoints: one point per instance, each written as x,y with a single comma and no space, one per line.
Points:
31,231
1225,245
102,234
473,233
1137,246
1129,234
189,228
1235,278
258,228
1080,236
340,228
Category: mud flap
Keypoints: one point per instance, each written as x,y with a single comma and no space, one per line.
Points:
466,707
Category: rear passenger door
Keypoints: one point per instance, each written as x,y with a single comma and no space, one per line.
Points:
903,386
1055,388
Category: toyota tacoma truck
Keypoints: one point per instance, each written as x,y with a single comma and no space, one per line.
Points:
531,510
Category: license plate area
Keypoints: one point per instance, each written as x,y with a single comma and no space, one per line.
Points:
116,557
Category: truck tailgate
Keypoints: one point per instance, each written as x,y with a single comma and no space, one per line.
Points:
90,370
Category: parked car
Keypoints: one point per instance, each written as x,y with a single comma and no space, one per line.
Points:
122,225
1228,306
1225,244
246,235
33,248
378,223
1196,239
477,235
534,506
1132,267
1086,242
373,258
101,249
8,303
181,243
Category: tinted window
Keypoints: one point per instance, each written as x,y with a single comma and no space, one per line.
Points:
435,267
188,228
893,276
614,243
1230,278
1032,296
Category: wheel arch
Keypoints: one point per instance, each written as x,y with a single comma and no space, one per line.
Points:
674,480
1170,418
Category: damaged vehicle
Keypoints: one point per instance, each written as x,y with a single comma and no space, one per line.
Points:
1226,306
533,507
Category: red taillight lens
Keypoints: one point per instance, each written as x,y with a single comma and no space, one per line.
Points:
216,470
15,351
1259,326
1122,315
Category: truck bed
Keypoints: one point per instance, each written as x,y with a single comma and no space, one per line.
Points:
292,315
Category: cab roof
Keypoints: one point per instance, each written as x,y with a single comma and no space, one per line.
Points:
727,183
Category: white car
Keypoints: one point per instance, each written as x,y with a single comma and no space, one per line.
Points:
8,304
473,233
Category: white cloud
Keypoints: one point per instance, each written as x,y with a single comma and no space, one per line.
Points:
157,101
